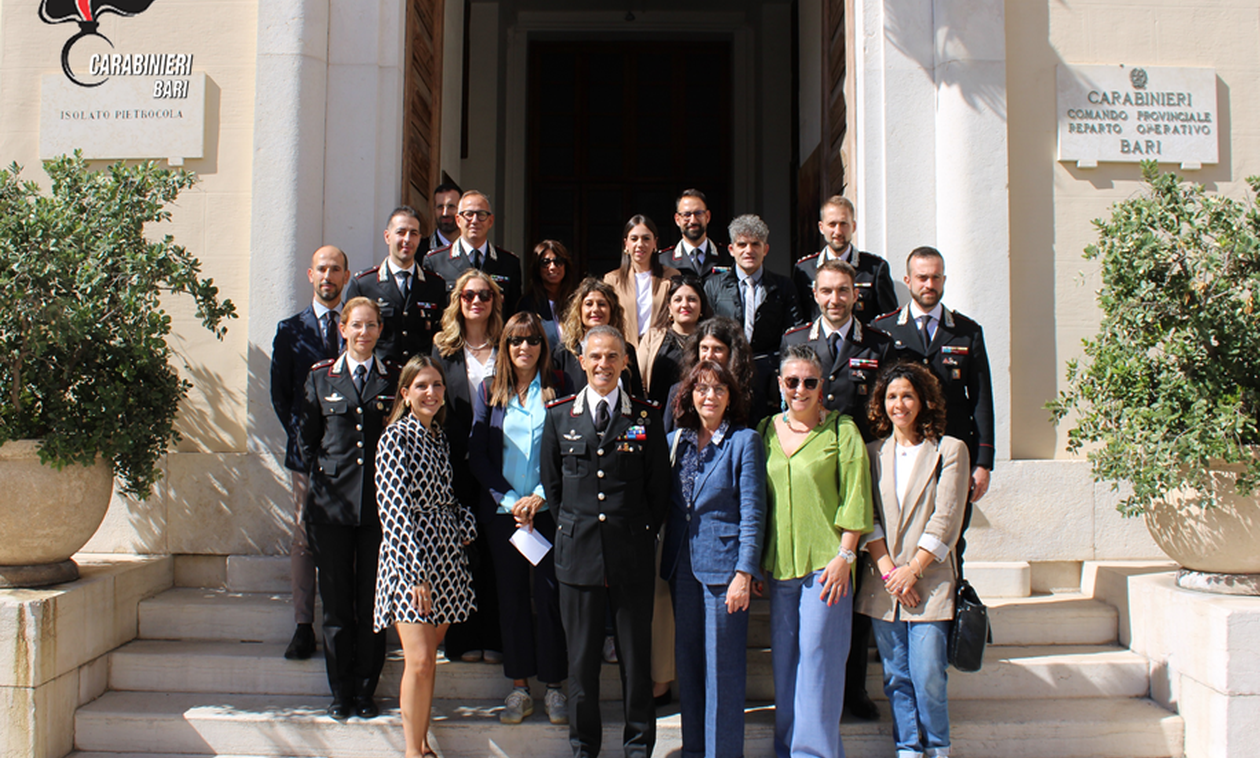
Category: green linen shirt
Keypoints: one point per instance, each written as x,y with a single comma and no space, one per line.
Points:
821,490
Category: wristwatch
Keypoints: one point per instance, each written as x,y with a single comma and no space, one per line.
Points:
848,555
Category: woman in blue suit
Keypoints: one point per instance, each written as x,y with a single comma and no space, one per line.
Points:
712,550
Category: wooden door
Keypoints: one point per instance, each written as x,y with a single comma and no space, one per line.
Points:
423,105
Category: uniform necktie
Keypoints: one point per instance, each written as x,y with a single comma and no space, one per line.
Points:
601,416
925,323
750,309
404,282
476,258
834,339
332,345
360,378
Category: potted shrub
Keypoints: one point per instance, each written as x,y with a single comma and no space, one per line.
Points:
1168,393
85,373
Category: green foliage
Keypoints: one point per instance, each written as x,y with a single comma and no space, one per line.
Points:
84,364
1171,382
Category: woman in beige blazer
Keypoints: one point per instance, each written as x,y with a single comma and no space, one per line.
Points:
641,282
920,480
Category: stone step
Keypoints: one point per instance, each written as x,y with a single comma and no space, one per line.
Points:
258,668
240,725
203,614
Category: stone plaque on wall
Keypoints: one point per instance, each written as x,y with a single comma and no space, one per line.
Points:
125,117
1129,114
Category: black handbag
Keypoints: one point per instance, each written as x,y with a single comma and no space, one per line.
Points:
969,631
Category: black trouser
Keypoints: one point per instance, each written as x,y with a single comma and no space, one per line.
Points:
859,648
481,630
525,653
582,608
346,557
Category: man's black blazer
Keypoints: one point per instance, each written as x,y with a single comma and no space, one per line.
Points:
876,294
408,323
298,345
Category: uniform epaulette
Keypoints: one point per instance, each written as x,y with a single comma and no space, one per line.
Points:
644,401
509,252
437,250
367,271
808,257
886,315
561,401
324,363
796,329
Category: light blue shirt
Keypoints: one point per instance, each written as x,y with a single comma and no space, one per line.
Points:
522,446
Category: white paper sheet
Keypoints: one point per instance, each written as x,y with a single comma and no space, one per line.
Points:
532,545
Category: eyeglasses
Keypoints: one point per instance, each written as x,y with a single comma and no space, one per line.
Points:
545,262
691,214
717,390
792,382
484,296
470,215
534,340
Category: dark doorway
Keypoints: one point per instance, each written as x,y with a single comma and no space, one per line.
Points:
618,128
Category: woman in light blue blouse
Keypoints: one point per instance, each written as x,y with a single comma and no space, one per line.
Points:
505,446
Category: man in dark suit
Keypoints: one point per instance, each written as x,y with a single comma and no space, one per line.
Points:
473,250
952,345
302,341
873,281
345,404
445,212
695,253
763,301
852,356
411,301
605,463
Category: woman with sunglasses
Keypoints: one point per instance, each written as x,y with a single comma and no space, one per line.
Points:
641,281
921,483
711,549
661,347
722,340
552,280
819,505
423,585
507,433
595,303
465,348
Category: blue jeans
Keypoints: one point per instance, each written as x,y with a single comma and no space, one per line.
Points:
809,644
914,656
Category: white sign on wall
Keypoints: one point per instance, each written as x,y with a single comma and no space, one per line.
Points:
1128,114
125,117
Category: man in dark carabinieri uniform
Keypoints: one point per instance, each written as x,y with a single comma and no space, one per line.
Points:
473,250
873,279
695,253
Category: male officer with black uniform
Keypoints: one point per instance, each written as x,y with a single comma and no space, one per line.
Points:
952,345
763,301
852,356
473,250
302,340
346,401
695,253
605,469
445,212
410,300
873,281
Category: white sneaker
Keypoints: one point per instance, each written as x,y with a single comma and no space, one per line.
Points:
610,650
517,706
557,706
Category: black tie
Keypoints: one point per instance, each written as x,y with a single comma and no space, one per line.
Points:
923,329
404,283
476,258
601,416
834,339
332,345
360,378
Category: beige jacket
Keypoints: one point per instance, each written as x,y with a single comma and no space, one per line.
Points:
629,300
934,506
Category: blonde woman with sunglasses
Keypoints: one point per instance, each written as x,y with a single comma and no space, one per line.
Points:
818,506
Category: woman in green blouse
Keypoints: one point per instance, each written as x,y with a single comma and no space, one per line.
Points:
819,504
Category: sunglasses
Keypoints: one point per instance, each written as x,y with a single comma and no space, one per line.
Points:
551,262
792,382
484,296
534,340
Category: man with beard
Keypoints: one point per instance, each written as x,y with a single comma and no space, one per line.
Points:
952,345
695,253
473,250
411,300
302,341
445,212
872,281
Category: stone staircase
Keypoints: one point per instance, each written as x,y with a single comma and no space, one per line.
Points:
206,676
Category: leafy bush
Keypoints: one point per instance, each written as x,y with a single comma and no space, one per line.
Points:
84,364
1171,383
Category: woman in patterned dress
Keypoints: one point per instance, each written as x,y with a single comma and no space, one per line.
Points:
423,583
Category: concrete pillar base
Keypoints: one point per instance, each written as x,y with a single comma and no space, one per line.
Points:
1219,584
42,575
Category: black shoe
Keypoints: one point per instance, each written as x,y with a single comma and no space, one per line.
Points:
303,643
339,709
365,708
861,705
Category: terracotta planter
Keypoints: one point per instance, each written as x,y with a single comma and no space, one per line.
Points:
1220,540
47,514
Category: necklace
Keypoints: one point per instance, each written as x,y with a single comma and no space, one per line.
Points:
788,423
475,348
